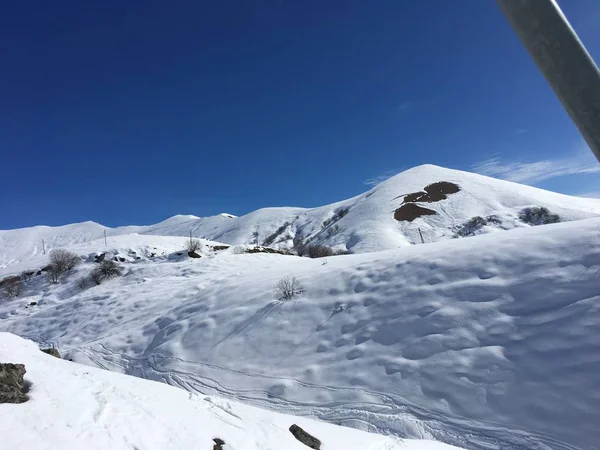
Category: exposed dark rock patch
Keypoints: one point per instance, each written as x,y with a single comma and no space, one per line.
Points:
194,255
99,258
260,249
410,212
12,386
432,193
219,443
217,248
51,351
305,438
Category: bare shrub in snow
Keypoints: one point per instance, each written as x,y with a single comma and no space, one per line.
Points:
471,227
238,250
319,251
287,288
538,216
53,273
12,287
193,245
105,270
61,261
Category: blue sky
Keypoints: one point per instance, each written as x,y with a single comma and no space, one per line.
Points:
128,114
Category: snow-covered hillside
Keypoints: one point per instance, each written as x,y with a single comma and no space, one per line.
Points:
365,223
486,342
73,407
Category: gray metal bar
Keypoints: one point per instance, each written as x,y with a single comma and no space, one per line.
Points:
562,58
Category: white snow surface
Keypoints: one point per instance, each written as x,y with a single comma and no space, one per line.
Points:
368,226
488,342
74,407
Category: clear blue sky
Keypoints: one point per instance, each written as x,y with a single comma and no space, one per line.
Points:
128,112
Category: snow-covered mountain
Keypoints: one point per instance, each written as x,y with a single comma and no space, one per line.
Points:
73,407
487,342
376,220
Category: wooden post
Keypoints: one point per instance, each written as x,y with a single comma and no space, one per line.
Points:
421,234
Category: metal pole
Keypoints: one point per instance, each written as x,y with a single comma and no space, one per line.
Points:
562,58
44,246
105,239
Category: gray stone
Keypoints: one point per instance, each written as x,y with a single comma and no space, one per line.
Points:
194,255
12,386
305,438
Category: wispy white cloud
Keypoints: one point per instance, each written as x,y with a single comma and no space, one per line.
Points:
580,162
374,181
522,130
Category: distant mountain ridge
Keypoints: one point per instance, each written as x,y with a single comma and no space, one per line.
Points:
380,219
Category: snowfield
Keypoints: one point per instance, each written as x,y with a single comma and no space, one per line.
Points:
484,342
73,407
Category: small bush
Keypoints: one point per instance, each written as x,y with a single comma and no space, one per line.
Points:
63,260
53,273
319,251
287,288
105,270
238,250
193,245
472,226
538,216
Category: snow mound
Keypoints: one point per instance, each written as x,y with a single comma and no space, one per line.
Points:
413,204
72,407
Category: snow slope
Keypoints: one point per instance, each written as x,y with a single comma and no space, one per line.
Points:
486,342
368,226
73,407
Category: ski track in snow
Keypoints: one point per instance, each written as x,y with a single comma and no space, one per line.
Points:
389,415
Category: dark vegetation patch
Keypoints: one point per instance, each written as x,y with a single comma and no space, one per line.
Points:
474,224
217,248
271,238
337,215
538,216
410,212
260,249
